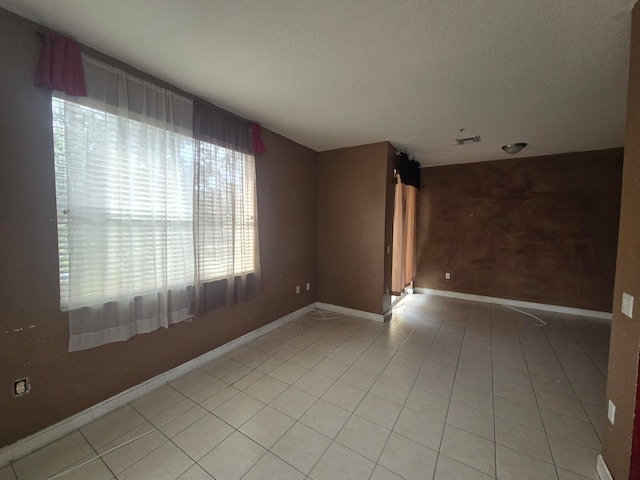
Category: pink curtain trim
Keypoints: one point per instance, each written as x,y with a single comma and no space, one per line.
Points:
258,146
60,65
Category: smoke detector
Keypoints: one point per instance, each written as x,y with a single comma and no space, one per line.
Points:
468,140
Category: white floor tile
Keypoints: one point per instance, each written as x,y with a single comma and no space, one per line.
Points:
450,469
314,383
344,396
202,436
266,389
513,465
301,447
379,410
340,462
471,419
325,418
421,428
570,407
288,372
359,378
570,429
573,456
157,401
129,453
167,462
391,388
331,368
364,437
293,402
381,473
192,382
87,467
6,473
109,427
523,439
196,472
407,458
423,387
182,421
518,412
219,398
239,409
271,467
472,397
232,458
470,449
267,426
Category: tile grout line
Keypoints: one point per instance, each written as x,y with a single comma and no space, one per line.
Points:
544,427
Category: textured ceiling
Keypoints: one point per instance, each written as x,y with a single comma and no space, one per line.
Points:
337,73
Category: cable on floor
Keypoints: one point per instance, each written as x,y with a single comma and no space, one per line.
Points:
64,472
542,322
316,314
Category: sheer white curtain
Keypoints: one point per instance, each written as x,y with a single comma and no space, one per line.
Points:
225,211
124,181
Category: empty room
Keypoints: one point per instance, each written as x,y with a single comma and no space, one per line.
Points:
294,239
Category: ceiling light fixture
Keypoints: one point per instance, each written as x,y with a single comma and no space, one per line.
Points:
514,148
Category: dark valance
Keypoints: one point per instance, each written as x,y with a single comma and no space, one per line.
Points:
60,65
226,130
409,170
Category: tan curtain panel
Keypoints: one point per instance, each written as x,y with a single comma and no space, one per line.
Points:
404,237
404,224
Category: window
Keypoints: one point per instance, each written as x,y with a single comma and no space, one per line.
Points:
154,223
225,193
125,193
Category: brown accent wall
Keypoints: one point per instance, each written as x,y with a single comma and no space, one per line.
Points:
33,331
539,229
622,373
352,226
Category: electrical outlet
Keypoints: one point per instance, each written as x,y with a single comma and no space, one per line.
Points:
627,305
20,387
297,289
611,412
308,286
447,276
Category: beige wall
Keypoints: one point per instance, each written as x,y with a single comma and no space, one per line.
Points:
353,186
625,332
65,383
540,229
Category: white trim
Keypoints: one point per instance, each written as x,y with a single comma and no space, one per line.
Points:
376,317
39,439
603,470
517,303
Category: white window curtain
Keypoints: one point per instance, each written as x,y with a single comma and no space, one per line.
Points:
225,211
124,181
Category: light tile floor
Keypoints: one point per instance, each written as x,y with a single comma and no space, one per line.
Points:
447,390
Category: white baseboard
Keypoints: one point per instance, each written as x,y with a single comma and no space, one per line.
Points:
603,470
376,317
39,439
517,303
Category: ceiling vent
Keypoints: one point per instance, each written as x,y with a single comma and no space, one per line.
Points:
467,141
